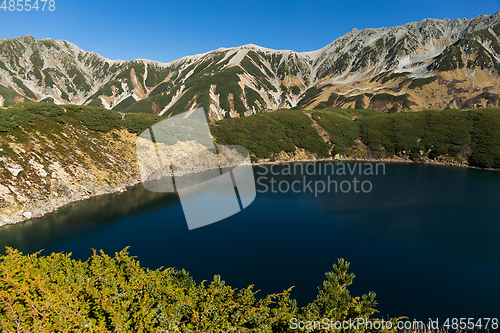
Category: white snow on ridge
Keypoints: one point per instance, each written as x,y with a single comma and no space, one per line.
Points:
313,55
104,103
227,55
237,58
174,100
188,74
77,50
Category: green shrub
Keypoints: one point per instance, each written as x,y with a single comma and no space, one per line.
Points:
8,95
143,106
21,85
449,59
418,83
6,121
485,138
100,119
342,128
441,132
56,293
266,135
309,95
124,104
28,113
139,122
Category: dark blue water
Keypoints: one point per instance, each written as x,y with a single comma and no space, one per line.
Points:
425,239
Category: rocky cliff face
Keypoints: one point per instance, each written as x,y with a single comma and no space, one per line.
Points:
46,167
427,64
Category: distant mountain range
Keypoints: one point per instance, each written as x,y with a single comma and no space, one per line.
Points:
429,64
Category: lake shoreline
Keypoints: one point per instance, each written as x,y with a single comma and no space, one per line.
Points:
374,160
53,206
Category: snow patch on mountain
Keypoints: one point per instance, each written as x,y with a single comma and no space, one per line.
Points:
174,100
215,110
236,60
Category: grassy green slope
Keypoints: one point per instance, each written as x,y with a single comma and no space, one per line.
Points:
37,115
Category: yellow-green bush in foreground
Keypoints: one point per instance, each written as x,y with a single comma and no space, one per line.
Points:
103,294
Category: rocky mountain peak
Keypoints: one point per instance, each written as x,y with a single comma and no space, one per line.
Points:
238,81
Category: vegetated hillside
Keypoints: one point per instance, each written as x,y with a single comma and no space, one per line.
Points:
416,66
453,136
50,155
285,133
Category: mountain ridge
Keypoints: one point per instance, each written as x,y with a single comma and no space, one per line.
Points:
376,68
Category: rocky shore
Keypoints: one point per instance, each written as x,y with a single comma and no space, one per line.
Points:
395,159
38,211
41,172
367,159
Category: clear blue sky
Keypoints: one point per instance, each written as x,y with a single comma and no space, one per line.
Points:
168,30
